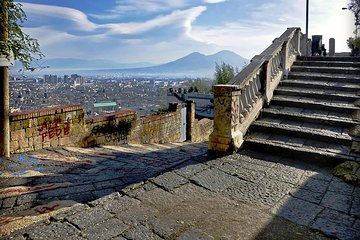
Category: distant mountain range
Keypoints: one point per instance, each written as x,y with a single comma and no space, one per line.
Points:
192,65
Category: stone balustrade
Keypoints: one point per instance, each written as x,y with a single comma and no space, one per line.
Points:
238,103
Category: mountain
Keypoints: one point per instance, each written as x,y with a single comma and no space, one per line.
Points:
194,64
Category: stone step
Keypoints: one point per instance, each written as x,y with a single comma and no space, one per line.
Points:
313,103
300,149
336,86
315,69
341,78
309,116
327,64
317,93
327,59
298,129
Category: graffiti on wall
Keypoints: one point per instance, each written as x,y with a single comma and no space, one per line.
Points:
115,133
53,129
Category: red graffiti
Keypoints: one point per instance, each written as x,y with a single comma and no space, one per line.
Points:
7,220
67,125
44,210
52,129
27,189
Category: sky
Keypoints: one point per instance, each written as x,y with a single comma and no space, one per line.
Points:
159,31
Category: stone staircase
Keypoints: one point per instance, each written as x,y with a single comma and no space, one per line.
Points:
313,113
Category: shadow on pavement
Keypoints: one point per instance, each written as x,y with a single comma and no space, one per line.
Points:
39,183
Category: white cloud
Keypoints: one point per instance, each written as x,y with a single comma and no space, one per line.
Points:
182,18
267,21
214,1
78,18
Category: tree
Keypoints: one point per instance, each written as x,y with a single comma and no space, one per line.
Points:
224,73
354,45
25,48
354,6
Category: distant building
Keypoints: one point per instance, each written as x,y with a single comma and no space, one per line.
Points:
105,107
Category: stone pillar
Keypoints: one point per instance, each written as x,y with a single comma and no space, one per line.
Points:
226,137
190,119
331,47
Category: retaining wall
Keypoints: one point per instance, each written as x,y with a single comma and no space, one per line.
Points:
67,126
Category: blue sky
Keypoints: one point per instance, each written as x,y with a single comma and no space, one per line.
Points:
159,31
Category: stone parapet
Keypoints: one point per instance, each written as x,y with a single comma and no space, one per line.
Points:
67,126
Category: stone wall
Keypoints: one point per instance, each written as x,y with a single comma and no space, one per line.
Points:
112,128
66,126
49,127
161,128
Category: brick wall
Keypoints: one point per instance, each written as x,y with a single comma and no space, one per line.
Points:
66,126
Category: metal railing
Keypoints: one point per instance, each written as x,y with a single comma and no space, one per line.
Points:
237,104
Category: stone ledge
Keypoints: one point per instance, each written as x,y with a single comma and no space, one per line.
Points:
147,119
110,116
43,112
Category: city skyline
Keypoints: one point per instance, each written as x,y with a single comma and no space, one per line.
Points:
159,31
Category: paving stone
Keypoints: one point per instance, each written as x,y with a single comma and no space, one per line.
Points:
148,186
315,185
317,175
214,179
339,186
108,184
140,232
119,204
284,175
53,231
275,185
119,238
169,180
251,166
253,193
336,224
22,199
89,217
71,211
306,195
337,201
105,230
355,207
245,174
9,202
190,168
297,210
357,224
80,197
61,192
103,192
194,233
157,197
142,213
258,158
167,228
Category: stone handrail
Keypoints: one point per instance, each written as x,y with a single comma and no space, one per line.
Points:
238,103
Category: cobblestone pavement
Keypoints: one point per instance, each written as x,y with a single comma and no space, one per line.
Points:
172,191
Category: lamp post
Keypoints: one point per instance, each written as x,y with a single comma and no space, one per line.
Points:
307,29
